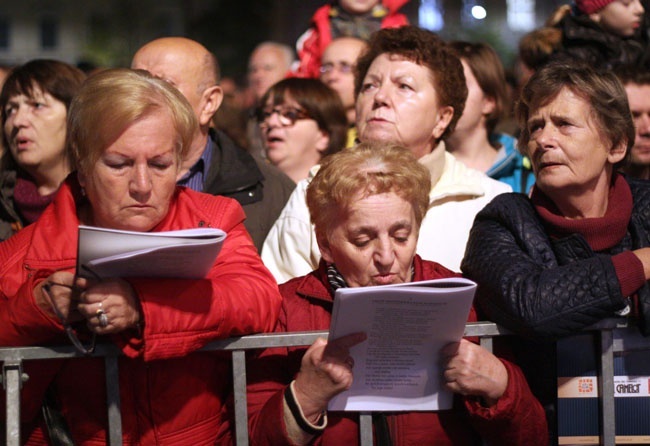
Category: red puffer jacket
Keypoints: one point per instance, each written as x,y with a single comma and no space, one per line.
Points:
516,419
170,394
312,43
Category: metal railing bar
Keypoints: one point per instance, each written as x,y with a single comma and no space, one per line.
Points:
12,376
630,340
485,329
365,429
610,324
56,352
267,340
113,401
14,357
487,343
264,340
606,387
239,391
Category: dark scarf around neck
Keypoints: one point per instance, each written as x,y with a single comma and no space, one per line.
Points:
29,203
600,233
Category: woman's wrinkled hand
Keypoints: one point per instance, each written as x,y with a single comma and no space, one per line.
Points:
469,369
109,306
57,297
326,371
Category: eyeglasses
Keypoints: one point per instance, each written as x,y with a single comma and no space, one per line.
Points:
69,330
287,115
343,67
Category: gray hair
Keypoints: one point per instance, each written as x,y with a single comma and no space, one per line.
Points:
287,52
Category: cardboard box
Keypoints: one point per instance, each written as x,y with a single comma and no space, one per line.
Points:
578,415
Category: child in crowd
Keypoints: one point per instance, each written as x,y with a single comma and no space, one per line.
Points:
344,18
605,33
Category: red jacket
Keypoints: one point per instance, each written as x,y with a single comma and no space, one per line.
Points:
169,393
312,43
516,419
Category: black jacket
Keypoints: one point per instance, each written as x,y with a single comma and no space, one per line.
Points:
260,188
585,40
543,288
536,286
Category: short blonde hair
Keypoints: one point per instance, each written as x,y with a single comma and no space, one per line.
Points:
111,101
366,169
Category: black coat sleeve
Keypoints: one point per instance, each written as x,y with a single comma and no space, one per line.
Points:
522,284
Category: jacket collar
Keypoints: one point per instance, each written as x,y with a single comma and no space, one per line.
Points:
451,179
231,169
318,289
55,232
456,182
435,162
507,156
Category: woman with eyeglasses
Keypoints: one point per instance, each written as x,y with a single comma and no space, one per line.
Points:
301,121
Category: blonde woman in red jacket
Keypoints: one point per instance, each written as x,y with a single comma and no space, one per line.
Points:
367,203
128,133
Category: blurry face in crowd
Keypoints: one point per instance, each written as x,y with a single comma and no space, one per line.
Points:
620,17
477,105
374,240
132,183
639,98
266,66
568,151
399,103
358,6
337,67
35,130
292,140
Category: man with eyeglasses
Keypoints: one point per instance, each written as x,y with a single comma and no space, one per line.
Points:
337,72
215,164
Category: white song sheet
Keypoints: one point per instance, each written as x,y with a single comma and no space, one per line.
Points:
183,254
397,368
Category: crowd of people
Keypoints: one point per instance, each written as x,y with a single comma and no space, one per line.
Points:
370,156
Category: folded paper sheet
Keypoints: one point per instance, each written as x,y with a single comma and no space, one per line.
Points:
397,368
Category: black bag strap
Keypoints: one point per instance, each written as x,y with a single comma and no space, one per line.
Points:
382,432
57,428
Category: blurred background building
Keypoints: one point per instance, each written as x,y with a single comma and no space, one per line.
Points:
107,32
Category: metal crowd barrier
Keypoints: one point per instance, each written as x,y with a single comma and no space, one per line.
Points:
13,376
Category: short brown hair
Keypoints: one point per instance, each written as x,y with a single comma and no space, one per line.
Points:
488,70
112,100
321,103
601,89
423,48
633,74
538,46
366,169
53,77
